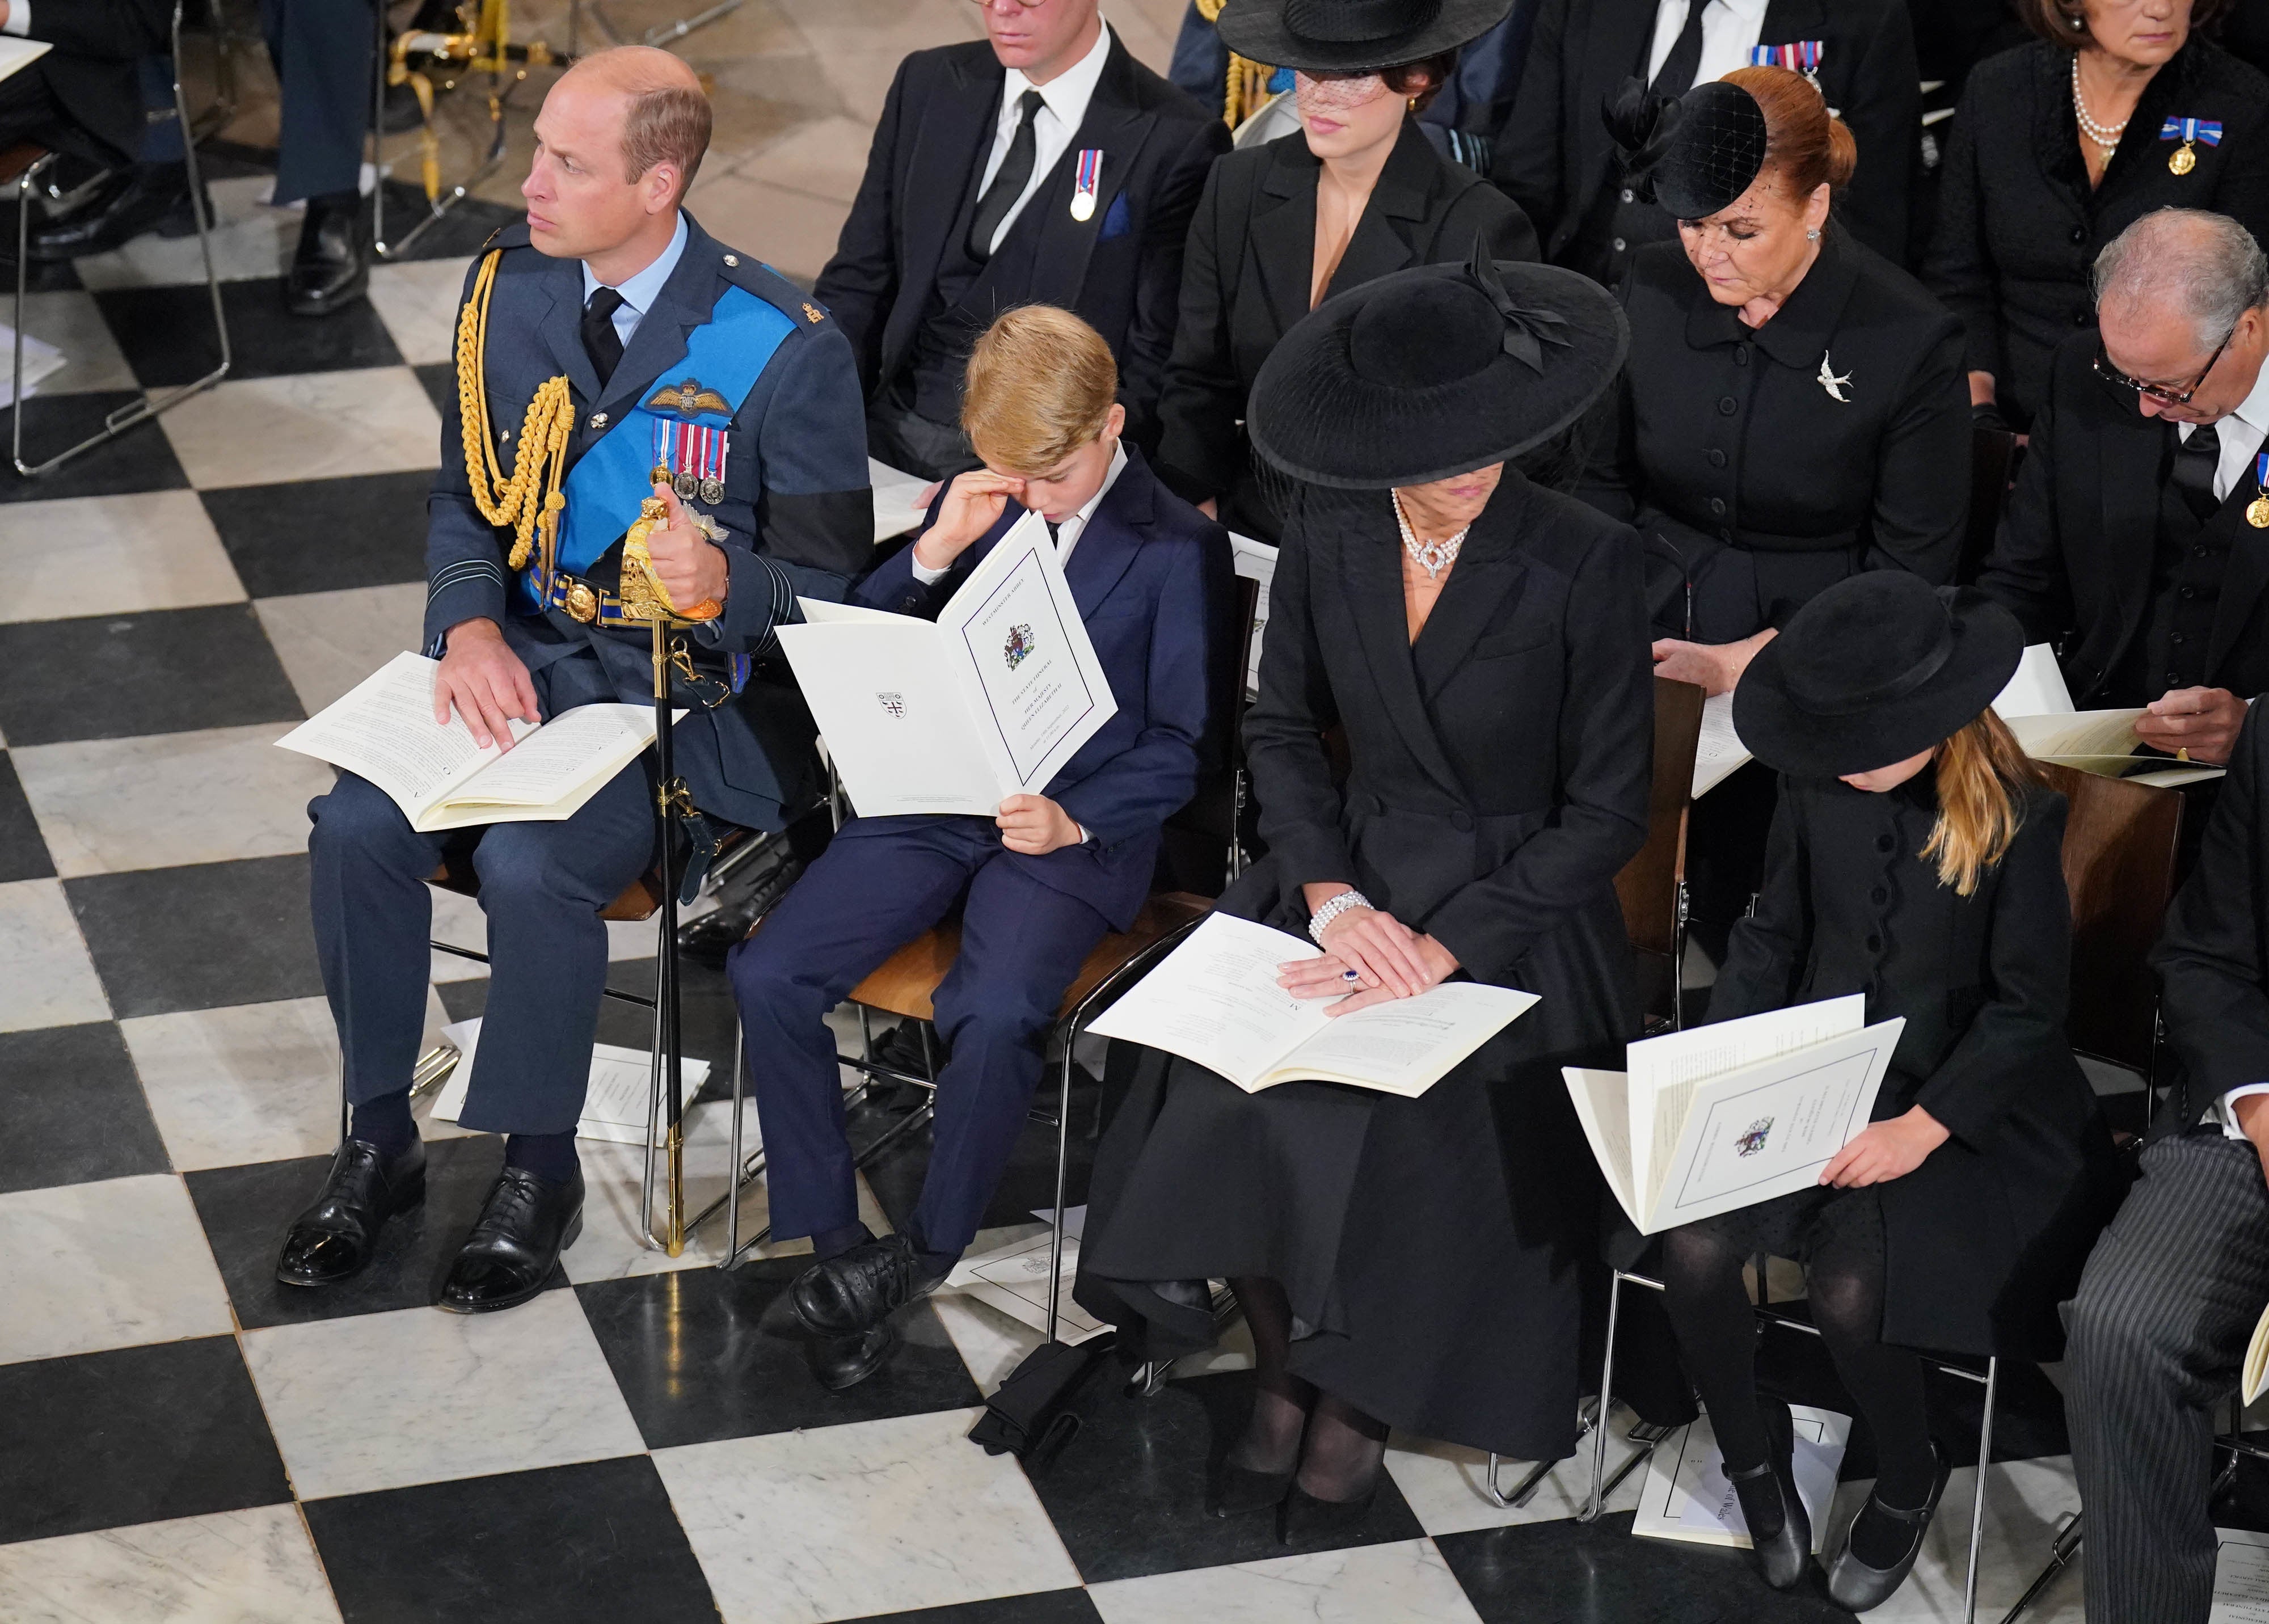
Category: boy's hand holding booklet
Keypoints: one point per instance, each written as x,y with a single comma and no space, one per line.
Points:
1215,1000
1734,1113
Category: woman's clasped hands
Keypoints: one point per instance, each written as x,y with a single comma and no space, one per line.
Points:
1389,960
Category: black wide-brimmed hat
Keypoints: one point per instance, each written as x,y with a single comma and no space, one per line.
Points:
1434,371
1879,667
1352,36
1694,154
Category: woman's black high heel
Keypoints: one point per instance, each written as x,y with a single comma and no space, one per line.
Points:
1784,1556
1236,1490
1302,1518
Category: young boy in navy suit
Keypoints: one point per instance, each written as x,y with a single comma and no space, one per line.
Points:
1039,884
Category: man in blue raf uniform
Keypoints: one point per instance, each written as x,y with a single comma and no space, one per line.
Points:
1038,884
641,343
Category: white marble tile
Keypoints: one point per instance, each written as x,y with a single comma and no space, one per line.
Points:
112,555
328,641
46,977
417,301
112,1264
458,918
255,1567
2025,1501
210,796
418,1396
307,426
1447,1484
885,1516
72,322
1408,1581
249,240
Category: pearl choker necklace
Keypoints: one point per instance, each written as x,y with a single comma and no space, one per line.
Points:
1432,556
2104,136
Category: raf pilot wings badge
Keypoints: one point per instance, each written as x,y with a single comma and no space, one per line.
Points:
688,399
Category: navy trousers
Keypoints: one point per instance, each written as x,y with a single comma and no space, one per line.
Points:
541,887
883,882
322,49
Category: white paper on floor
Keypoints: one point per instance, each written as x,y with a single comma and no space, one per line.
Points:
40,359
615,1107
2240,1577
1688,1495
1014,1279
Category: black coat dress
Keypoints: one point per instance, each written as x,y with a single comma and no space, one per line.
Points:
1431,1247
1246,277
1988,1234
1752,483
2018,227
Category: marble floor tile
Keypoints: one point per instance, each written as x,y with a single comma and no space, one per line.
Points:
168,336
823,157
141,459
112,555
200,936
2025,1503
1034,1607
163,671
1447,1484
328,641
315,425
889,1515
1567,1572
249,1566
1408,1581
899,26
793,232
46,977
23,852
418,304
325,534
418,1396
249,240
71,1109
209,795
101,1266
990,1343
72,322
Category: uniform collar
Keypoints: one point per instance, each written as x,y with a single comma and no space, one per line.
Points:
639,292
1068,94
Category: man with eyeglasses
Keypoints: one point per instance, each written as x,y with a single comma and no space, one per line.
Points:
1044,164
2138,539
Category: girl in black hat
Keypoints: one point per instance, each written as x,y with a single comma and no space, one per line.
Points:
1914,858
1471,645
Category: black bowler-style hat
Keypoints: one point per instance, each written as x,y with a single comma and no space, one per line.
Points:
1694,154
1879,667
1433,372
1352,36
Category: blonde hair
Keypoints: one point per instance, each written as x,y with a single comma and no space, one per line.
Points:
1040,385
1982,770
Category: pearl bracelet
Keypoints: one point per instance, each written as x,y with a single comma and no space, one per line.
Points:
1332,910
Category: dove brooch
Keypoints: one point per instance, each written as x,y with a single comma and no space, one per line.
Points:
1829,381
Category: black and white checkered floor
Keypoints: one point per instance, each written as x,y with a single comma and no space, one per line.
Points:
182,1439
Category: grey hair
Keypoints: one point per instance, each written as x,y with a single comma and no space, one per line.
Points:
2206,266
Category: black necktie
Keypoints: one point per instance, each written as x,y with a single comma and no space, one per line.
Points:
1676,76
1052,527
601,342
2195,461
1008,183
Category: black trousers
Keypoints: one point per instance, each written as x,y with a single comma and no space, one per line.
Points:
29,111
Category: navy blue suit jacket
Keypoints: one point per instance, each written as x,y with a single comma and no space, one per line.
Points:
1156,590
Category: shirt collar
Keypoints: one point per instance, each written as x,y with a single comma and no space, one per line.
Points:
640,291
1087,508
2253,410
1068,94
1747,10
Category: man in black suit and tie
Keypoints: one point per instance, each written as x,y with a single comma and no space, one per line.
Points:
84,96
2138,540
1557,160
1045,165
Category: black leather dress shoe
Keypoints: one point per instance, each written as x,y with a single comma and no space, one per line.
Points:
140,198
855,1291
1855,1586
335,1237
842,1362
526,1223
332,266
1783,1557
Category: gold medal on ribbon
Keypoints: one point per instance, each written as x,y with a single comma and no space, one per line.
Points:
2185,158
2257,511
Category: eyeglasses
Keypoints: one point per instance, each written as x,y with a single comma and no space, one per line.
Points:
2159,392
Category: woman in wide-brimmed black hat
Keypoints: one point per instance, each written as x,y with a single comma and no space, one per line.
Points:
1915,859
1357,192
1477,643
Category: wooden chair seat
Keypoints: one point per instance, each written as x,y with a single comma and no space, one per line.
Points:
19,161
640,901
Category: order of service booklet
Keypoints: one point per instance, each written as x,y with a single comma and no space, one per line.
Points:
2037,707
955,715
383,729
1735,1112
1215,1000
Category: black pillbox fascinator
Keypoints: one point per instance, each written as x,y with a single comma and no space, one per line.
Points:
1694,154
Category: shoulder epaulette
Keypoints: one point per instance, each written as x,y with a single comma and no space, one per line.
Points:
752,275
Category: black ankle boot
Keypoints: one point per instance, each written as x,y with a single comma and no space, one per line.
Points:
1768,1495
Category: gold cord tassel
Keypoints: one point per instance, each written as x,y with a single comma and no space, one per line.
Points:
541,461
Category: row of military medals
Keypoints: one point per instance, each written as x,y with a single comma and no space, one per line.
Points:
691,458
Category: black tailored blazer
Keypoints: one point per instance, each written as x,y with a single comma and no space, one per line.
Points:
1988,1234
1119,269
92,72
2018,227
1245,279
2075,560
1753,482
1556,154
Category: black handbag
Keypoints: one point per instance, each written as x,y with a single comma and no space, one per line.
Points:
1030,1417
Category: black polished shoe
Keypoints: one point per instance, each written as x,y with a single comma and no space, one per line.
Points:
526,1224
1783,1557
1855,1586
335,1237
332,266
842,1362
1301,1518
140,198
853,1292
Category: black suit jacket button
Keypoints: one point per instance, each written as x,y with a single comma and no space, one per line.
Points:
1717,459
1726,407
1879,895
2082,316
1883,843
1462,820
1875,944
1716,503
2080,233
2188,592
1740,355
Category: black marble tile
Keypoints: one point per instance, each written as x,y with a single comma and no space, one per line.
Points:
71,1109
23,849
141,459
137,1434
701,1355
1567,1572
1039,1607
440,380
200,936
166,333
122,676
465,229
1128,1493
245,1211
324,534
1028,1184
596,1542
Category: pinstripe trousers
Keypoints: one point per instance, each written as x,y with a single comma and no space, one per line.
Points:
2158,1329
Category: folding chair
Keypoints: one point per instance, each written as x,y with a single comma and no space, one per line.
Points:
658,34
22,167
1652,885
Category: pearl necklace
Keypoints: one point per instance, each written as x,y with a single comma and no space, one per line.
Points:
1432,556
2104,136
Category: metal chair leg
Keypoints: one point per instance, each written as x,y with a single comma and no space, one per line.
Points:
1977,1498
1596,1502
661,34
2061,1551
1063,1173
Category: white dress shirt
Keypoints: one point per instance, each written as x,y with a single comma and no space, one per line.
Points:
19,20
1064,100
1067,532
640,291
1729,28
2240,434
